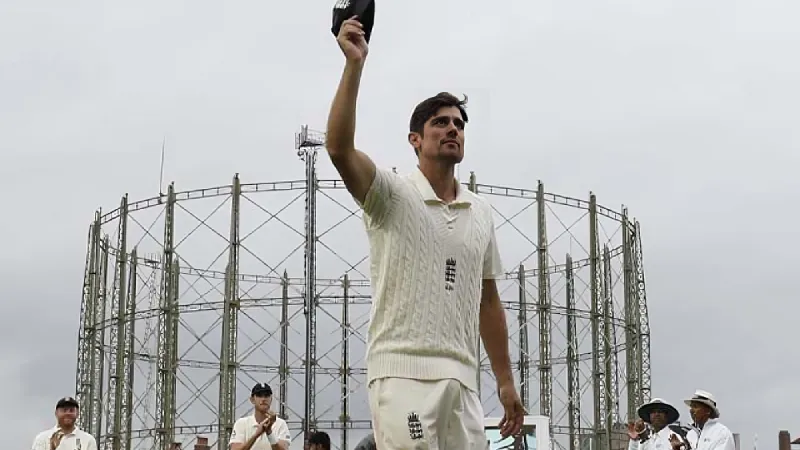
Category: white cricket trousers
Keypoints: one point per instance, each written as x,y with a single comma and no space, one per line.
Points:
426,415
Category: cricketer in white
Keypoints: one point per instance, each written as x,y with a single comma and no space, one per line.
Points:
65,435
262,430
434,262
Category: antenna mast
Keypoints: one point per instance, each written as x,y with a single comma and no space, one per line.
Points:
161,173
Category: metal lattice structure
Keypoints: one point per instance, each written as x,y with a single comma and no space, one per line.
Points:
190,323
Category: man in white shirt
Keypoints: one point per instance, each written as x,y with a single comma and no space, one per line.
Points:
65,435
434,261
658,414
708,433
262,430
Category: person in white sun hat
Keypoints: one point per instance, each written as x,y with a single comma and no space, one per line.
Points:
651,431
709,432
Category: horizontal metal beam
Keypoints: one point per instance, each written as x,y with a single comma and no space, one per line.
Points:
246,303
301,185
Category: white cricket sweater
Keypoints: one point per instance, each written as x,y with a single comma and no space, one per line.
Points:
427,263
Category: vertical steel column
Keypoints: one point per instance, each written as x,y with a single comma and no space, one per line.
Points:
174,320
84,381
309,155
118,333
614,345
597,324
130,317
608,344
631,322
524,355
344,372
167,335
283,370
230,326
473,187
644,321
573,365
152,264
545,319
99,342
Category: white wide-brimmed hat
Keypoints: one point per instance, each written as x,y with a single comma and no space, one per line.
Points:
658,404
705,398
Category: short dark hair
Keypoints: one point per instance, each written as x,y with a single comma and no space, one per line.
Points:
320,438
428,108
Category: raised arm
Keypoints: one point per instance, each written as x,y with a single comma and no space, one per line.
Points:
355,167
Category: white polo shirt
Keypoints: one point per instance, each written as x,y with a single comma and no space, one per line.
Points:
427,263
245,428
76,440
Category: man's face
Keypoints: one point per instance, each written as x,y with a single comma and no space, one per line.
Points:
658,418
442,137
700,412
65,416
261,402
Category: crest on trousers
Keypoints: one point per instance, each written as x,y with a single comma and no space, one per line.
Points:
414,426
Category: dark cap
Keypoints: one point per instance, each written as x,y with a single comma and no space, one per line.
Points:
67,402
262,390
345,9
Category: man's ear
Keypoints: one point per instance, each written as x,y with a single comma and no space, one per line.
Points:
415,140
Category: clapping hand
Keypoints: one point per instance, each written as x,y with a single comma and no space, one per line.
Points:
675,441
635,429
55,439
265,427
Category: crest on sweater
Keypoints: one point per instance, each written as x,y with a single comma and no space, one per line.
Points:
450,274
414,426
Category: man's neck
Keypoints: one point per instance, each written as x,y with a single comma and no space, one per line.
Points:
260,417
67,430
441,178
657,429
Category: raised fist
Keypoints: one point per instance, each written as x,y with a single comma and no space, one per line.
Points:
351,40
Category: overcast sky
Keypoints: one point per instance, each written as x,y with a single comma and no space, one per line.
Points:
684,111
